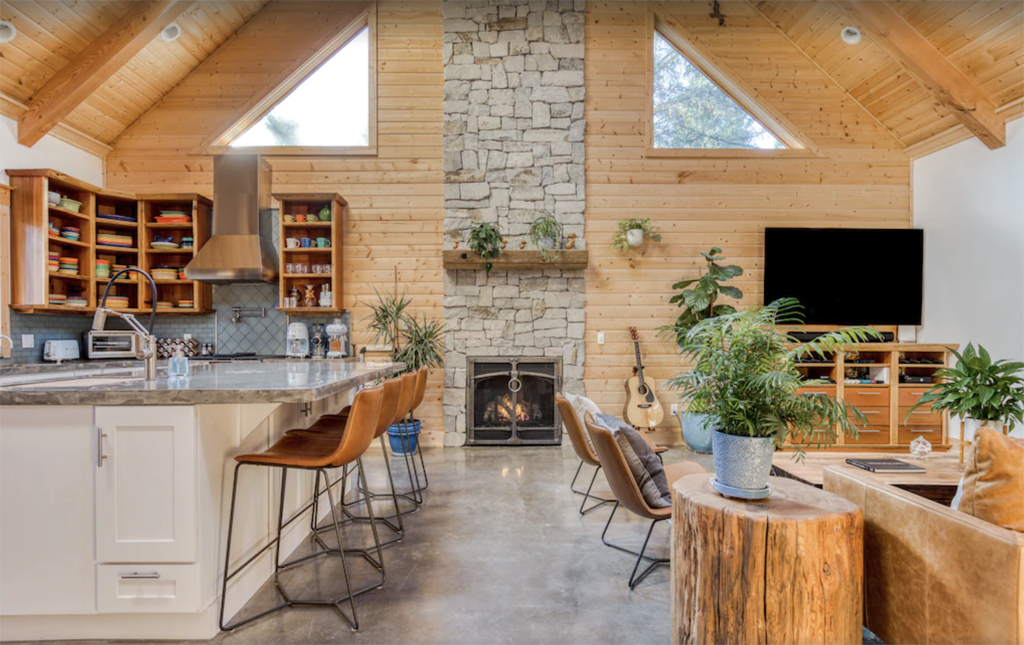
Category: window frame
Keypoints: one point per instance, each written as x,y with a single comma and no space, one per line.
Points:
249,115
745,95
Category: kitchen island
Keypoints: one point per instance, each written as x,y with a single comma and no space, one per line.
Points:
136,479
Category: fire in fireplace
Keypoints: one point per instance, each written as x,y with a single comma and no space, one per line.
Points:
511,401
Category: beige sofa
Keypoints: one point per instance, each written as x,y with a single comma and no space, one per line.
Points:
932,574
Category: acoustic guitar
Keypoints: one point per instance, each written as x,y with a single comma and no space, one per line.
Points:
643,409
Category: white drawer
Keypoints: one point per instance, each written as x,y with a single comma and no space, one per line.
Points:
147,588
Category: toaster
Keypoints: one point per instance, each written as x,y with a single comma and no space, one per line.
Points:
61,350
111,344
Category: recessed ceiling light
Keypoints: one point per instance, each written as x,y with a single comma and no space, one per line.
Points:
851,35
7,32
170,33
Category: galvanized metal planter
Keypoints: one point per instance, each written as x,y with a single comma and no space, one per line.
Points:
743,462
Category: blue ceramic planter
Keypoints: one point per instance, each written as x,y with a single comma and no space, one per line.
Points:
697,431
411,429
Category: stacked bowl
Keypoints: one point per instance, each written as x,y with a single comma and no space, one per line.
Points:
67,265
75,301
102,268
72,233
53,261
117,302
58,299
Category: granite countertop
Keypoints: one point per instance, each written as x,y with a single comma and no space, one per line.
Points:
295,381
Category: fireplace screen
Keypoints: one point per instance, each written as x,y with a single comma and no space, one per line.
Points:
512,401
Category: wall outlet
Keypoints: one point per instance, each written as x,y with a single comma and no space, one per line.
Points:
600,338
186,336
28,341
675,409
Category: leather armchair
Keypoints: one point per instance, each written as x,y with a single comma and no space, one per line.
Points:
933,574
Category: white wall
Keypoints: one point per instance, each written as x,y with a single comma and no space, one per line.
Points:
48,153
970,202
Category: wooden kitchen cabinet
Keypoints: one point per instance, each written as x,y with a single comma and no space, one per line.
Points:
146,485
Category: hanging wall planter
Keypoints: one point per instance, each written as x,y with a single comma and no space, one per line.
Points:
631,233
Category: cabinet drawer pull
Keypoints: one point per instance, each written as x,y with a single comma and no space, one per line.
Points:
135,575
869,431
869,393
867,412
99,448
923,412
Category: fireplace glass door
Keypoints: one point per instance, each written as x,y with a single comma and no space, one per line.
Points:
512,401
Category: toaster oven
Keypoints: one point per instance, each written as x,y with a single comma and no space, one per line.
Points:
112,344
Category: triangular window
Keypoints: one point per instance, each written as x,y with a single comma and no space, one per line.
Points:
329,108
692,111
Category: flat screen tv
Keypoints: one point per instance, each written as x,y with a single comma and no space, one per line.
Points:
847,276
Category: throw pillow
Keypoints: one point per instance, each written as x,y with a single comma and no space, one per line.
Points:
993,483
643,463
582,405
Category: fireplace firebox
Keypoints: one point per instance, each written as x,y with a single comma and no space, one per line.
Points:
511,401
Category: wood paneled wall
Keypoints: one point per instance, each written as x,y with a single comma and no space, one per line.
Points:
861,178
396,198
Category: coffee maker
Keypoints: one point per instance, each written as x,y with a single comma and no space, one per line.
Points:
297,342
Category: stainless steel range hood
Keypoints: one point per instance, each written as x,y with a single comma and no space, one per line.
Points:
236,252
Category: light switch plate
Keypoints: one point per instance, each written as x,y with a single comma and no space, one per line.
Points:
186,336
28,341
600,338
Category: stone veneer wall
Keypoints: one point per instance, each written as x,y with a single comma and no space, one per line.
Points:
513,151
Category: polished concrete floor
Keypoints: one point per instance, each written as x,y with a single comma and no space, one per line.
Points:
498,554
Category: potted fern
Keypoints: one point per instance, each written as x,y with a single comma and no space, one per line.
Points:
745,376
982,392
546,234
631,233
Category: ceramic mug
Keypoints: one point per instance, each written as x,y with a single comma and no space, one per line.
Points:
292,242
300,217
323,242
289,218
307,242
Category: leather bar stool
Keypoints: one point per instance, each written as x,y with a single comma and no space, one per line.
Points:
576,431
334,426
410,384
628,493
316,454
421,389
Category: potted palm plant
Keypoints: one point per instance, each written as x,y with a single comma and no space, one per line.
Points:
417,343
745,376
982,392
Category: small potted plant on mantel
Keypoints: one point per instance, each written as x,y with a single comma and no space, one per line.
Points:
982,392
631,233
745,376
486,240
546,234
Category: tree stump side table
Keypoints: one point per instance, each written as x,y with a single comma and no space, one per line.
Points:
786,569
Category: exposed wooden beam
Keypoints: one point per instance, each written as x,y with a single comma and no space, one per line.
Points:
933,71
82,76
13,109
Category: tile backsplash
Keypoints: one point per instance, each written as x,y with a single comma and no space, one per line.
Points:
259,335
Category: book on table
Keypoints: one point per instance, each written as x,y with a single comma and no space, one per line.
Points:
885,465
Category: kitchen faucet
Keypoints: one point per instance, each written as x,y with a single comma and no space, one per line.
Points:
147,344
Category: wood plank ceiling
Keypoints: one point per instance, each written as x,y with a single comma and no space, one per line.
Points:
984,39
53,32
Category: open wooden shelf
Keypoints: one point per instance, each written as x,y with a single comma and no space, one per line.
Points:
32,215
457,259
310,204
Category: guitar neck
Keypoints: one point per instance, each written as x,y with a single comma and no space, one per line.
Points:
639,366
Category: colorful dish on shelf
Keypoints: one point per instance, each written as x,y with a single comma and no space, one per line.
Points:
164,213
186,304
75,301
164,304
111,239
58,299
117,218
173,219
164,246
69,204
164,274
117,302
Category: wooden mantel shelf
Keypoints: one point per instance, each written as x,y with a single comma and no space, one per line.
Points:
515,260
